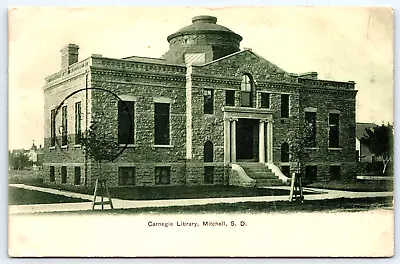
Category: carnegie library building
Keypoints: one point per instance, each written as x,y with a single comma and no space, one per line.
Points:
205,113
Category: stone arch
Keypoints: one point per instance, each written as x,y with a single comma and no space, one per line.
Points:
246,90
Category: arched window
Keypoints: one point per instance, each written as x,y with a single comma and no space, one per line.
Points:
285,152
208,152
246,89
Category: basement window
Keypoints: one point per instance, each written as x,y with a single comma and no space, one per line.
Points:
64,174
208,175
163,175
126,176
77,175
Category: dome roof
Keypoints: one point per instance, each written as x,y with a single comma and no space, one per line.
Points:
203,24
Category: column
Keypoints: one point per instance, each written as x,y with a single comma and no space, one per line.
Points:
233,140
227,142
270,142
261,141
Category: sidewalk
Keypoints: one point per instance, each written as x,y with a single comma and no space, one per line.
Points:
126,204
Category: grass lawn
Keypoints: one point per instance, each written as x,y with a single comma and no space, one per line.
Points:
356,185
25,176
331,205
18,196
175,192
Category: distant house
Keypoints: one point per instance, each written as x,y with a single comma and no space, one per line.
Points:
36,156
363,153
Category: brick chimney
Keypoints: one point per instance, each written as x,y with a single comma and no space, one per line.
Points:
69,55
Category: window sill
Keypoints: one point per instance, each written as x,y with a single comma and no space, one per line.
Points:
128,145
78,146
161,146
52,148
64,147
338,149
311,148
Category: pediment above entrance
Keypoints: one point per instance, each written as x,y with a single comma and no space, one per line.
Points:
245,62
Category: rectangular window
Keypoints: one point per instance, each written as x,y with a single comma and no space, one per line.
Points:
265,100
126,176
208,101
209,175
286,171
78,123
333,130
63,174
77,176
310,130
163,175
230,98
53,128
52,176
284,105
161,123
126,122
64,115
311,173
334,173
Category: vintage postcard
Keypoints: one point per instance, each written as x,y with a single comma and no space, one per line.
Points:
201,132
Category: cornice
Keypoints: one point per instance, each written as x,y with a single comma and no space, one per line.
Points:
136,74
327,90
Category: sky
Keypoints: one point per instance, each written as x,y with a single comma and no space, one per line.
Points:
340,43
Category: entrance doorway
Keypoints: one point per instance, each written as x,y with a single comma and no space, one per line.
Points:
247,139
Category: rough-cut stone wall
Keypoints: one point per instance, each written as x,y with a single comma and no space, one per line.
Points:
70,155
226,74
326,101
245,62
214,46
147,83
144,89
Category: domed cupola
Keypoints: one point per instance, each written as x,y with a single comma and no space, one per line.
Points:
202,41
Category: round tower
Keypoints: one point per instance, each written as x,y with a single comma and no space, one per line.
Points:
201,42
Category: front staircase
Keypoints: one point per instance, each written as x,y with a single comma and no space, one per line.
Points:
263,176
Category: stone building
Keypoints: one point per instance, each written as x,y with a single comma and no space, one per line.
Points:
206,112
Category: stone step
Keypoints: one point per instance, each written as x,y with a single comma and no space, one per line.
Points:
269,182
257,169
262,175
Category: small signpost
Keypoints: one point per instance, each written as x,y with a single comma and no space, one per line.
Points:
296,189
103,188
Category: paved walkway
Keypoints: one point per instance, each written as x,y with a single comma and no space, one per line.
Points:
125,204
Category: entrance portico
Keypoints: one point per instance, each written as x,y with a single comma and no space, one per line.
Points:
240,139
